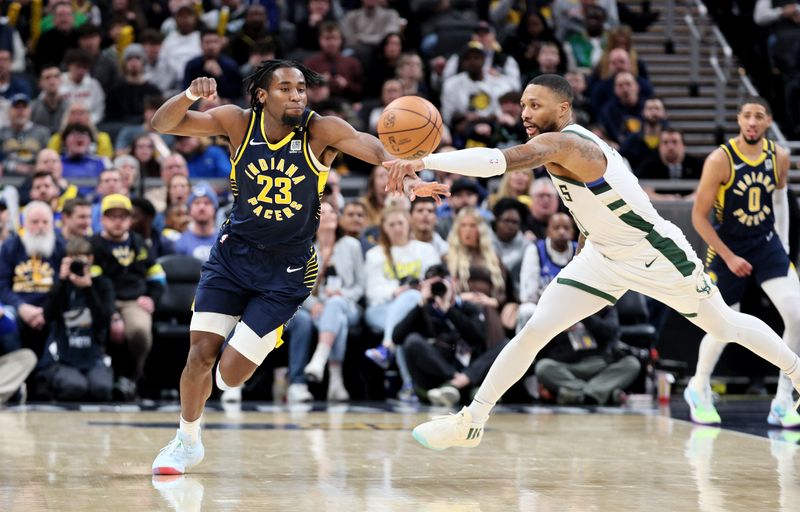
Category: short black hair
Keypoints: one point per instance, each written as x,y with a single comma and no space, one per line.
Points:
76,128
262,76
507,203
42,174
205,31
556,83
71,204
79,57
421,200
148,210
669,129
757,100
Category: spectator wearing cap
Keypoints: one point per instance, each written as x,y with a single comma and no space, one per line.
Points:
29,263
54,43
11,85
181,45
103,66
212,63
21,140
49,107
77,159
126,101
497,62
78,85
472,96
464,192
123,256
199,238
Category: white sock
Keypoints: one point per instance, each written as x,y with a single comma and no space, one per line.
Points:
221,383
479,410
191,428
335,378
707,357
320,356
785,389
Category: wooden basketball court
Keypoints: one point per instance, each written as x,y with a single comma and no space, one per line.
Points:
362,458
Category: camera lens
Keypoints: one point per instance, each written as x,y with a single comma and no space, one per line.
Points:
438,289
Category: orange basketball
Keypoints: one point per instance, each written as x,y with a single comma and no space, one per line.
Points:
410,127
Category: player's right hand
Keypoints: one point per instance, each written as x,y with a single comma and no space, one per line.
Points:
204,87
739,266
398,170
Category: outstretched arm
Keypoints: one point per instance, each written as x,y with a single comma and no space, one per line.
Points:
780,198
174,116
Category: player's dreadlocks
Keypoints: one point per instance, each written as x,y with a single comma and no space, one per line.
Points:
262,76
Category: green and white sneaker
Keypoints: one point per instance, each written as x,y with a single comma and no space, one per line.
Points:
782,414
178,456
452,430
701,406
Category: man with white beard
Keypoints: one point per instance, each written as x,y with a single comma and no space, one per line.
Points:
28,269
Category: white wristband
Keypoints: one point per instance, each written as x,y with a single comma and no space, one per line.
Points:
191,96
477,162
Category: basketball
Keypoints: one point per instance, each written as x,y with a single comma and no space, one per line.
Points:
410,127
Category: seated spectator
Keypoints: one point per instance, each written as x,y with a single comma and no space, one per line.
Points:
524,45
49,162
253,30
126,100
78,308
472,95
11,85
263,49
156,71
509,130
28,264
670,163
44,189
542,261
621,37
78,85
548,61
643,145
180,46
544,203
170,166
138,283
15,365
307,26
364,28
375,196
49,107
344,74
423,224
383,61
390,91
77,160
103,66
78,113
54,43
76,219
176,221
581,109
508,238
782,20
334,302
621,116
470,247
513,185
579,366
199,237
411,73
143,149
142,216
21,140
353,222
444,342
584,49
129,173
109,182
205,160
464,192
392,270
601,90
212,63
7,225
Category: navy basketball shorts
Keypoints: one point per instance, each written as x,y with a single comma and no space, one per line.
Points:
768,258
264,286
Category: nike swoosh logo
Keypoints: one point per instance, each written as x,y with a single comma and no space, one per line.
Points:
254,143
651,262
290,269
739,166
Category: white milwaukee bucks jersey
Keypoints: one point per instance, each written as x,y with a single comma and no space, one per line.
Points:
613,212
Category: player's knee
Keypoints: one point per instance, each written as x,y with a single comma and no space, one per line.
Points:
202,355
252,346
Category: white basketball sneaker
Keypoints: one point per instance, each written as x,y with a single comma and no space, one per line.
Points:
782,414
178,456
452,430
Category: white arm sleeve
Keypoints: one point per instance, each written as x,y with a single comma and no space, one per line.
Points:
476,162
780,202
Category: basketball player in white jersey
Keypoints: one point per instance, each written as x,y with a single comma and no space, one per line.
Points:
628,246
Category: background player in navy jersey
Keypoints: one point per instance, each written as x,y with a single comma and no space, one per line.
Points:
263,264
745,182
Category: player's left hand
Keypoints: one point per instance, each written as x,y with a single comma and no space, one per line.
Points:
399,170
432,189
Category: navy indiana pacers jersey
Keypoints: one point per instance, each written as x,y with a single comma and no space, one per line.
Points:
276,187
743,206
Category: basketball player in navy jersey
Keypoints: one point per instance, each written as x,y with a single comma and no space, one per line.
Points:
263,264
744,180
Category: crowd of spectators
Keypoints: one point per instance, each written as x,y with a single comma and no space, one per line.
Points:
99,197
